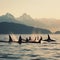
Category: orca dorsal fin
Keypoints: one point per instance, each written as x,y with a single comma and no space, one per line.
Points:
10,39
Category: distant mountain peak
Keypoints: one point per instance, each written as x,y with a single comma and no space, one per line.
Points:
9,15
7,18
26,16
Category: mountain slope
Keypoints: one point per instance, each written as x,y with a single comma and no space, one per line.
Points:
44,23
26,19
6,28
57,32
8,18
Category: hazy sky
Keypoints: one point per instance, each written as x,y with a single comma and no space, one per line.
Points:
35,8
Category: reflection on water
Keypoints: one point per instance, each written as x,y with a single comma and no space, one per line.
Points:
29,51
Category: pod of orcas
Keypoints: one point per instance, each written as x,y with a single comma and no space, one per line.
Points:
21,40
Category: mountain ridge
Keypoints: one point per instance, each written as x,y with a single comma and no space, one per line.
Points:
50,24
8,27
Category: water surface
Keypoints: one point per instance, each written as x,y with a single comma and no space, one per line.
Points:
30,51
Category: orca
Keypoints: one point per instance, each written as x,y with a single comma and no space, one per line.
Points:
49,39
10,40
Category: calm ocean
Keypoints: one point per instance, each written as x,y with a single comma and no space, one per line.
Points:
30,51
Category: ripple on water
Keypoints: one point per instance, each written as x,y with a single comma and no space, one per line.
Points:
57,56
8,56
26,49
33,55
44,48
40,58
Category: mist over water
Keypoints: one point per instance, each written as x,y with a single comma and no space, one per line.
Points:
30,51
